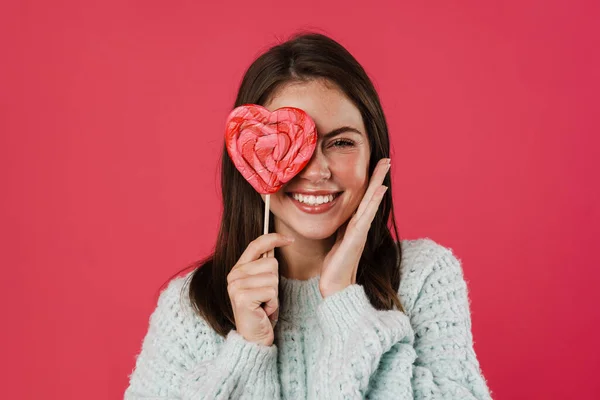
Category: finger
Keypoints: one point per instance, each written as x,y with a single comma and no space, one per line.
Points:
261,245
377,179
272,307
364,223
270,253
253,299
254,281
260,266
274,316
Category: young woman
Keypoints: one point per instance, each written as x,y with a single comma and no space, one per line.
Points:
339,309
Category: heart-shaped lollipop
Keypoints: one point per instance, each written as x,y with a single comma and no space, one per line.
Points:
269,148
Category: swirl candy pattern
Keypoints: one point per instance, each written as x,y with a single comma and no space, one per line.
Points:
269,148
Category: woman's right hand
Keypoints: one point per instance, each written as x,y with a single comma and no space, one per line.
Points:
253,281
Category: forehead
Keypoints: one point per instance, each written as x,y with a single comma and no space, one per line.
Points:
323,101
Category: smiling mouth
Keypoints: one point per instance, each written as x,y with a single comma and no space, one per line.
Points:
313,202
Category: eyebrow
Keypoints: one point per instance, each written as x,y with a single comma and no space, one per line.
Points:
340,130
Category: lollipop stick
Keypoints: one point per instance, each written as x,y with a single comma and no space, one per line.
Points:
266,228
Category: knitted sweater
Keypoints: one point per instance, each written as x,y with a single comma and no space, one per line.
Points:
340,347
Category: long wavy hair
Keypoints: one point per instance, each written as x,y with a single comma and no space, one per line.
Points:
303,57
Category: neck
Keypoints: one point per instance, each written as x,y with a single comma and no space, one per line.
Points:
303,259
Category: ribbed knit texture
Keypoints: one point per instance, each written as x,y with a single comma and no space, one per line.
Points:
340,347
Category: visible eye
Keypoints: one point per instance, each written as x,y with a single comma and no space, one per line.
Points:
343,143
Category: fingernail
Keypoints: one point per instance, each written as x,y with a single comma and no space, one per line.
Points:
290,239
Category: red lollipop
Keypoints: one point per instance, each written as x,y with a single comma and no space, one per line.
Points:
269,148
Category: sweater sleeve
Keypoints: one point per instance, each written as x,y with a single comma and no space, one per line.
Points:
446,365
373,354
175,364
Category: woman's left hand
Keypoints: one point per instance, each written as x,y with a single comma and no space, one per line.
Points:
341,263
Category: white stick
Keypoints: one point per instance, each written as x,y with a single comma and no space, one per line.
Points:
266,227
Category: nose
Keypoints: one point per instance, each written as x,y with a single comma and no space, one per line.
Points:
317,169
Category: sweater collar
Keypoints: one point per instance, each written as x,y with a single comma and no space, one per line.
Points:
299,298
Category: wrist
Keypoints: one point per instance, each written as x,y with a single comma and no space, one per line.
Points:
329,290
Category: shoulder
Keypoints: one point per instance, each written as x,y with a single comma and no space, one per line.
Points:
173,300
426,269
174,321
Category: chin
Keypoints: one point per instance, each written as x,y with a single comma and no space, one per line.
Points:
318,231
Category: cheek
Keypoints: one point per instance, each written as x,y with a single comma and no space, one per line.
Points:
352,175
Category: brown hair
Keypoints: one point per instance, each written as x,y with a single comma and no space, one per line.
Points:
303,57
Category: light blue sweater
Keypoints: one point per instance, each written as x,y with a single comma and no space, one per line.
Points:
340,347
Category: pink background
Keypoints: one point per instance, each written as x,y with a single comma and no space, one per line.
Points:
112,118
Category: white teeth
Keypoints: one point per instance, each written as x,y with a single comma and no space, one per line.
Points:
313,200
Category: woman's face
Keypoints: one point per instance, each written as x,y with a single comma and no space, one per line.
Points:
339,165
